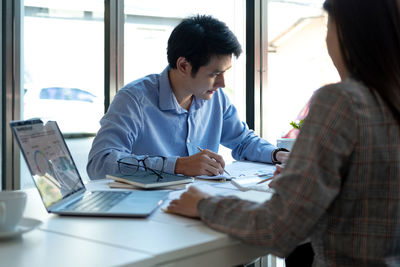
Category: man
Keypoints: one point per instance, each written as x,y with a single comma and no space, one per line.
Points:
181,115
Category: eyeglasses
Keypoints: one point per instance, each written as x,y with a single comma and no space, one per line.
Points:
130,165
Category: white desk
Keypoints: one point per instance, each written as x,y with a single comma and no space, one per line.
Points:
160,240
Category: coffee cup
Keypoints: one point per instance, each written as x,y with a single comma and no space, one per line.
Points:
12,205
285,143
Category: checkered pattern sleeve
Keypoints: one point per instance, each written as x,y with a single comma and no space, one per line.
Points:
340,187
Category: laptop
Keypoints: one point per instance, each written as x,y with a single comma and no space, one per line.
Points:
60,185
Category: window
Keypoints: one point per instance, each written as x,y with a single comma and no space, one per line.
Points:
63,59
63,44
298,62
148,25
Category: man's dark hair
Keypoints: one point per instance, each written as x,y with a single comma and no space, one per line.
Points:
369,38
199,38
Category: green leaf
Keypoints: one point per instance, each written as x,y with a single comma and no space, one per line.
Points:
297,125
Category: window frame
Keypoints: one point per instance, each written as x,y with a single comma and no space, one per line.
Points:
11,94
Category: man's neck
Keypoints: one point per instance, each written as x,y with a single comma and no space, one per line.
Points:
179,89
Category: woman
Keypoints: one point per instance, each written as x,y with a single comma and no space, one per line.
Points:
341,186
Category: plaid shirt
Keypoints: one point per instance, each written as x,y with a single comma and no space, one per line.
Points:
340,188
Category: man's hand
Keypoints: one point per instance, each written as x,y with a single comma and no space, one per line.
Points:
186,205
205,162
282,156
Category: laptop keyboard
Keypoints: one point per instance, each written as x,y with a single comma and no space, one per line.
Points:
98,201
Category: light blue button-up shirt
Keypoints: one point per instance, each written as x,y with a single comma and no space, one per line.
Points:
145,119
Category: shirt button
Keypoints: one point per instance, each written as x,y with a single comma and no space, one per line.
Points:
188,141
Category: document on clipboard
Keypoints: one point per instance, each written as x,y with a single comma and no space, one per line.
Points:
242,170
223,176
252,183
247,175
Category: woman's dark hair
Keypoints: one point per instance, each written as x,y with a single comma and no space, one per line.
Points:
369,37
199,38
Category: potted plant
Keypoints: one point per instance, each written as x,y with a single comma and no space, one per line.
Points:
297,125
287,141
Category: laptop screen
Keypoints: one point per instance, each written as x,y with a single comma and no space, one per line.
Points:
48,159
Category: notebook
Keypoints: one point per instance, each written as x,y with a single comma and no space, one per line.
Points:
148,180
59,182
129,186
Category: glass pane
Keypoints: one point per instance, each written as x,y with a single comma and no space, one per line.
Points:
63,42
298,62
148,25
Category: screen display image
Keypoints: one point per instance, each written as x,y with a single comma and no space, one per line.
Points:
48,159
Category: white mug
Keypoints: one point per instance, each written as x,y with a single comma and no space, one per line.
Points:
285,143
12,205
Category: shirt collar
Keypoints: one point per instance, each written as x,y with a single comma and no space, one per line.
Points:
167,99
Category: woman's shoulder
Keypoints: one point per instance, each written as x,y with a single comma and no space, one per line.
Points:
348,89
365,102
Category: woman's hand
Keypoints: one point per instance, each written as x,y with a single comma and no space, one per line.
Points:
186,205
279,168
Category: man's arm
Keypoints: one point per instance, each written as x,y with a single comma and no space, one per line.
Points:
121,128
118,134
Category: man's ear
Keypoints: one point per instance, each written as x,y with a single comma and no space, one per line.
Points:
183,66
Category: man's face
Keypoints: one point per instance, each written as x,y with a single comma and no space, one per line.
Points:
210,78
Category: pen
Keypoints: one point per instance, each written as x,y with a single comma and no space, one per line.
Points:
265,180
200,149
